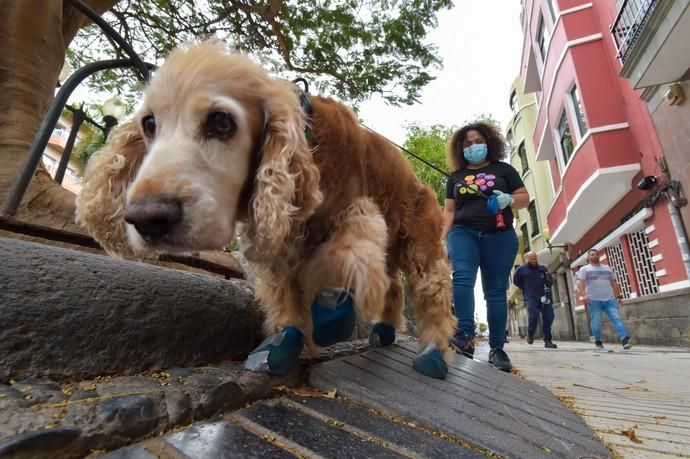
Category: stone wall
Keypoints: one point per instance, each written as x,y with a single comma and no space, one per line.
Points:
65,313
662,319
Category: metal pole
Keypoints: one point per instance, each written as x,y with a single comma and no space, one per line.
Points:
21,183
678,228
109,31
77,120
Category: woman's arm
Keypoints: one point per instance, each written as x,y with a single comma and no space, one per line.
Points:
520,198
448,217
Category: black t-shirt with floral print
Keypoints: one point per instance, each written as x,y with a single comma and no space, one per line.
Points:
467,188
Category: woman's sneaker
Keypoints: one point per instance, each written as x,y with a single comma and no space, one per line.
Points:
463,344
599,344
499,359
626,343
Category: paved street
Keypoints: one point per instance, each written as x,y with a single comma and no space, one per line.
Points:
637,401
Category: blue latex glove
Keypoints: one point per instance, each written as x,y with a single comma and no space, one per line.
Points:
503,199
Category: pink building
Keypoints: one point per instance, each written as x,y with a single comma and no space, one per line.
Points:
600,142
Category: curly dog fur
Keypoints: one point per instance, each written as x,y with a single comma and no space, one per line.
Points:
346,211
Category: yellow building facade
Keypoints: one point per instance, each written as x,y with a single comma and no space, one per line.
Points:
530,223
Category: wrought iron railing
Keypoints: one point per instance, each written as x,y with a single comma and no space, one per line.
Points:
630,22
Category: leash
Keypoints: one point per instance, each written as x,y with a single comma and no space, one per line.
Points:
417,157
307,107
305,102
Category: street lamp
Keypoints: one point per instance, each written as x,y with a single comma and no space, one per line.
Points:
113,110
546,234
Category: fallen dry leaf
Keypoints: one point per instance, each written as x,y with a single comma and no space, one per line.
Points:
611,351
641,381
301,391
631,434
330,394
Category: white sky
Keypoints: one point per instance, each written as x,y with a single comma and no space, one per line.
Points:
480,42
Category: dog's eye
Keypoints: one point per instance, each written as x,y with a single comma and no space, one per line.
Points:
220,125
149,126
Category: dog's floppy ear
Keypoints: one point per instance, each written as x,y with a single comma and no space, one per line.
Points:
101,202
286,186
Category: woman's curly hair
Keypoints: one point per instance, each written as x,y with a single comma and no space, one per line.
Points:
494,141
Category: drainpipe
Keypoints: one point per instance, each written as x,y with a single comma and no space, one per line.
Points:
680,235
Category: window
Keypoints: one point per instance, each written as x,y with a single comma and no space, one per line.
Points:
579,111
542,38
525,238
565,139
552,9
509,139
522,152
617,263
532,209
514,103
642,261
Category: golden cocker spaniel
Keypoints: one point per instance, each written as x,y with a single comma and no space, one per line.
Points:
326,223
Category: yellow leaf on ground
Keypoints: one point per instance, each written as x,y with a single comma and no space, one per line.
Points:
631,434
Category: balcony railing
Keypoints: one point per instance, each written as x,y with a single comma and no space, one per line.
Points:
629,24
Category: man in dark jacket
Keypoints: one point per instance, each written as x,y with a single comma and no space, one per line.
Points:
535,282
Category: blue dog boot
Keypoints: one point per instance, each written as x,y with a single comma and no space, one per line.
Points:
431,363
381,335
333,317
277,354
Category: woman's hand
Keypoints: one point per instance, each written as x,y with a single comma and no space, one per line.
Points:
503,199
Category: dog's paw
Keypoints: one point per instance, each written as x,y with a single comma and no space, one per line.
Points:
382,335
333,317
277,354
430,362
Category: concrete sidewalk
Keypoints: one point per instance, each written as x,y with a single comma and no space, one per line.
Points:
637,401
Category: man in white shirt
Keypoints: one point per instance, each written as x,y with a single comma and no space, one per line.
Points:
602,294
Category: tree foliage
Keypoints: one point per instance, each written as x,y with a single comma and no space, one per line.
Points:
430,143
349,48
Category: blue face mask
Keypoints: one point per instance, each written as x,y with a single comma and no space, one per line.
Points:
475,154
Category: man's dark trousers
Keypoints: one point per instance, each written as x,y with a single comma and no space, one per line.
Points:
534,307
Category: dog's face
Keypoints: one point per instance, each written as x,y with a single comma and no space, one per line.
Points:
202,120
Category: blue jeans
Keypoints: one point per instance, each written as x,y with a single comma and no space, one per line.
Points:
610,307
534,308
494,252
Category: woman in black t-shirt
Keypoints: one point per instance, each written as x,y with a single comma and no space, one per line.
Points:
478,222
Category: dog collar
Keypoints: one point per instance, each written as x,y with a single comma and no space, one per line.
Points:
307,108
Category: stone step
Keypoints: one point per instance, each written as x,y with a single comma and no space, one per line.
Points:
383,408
42,418
302,426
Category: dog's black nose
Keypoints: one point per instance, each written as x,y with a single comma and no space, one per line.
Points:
154,216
